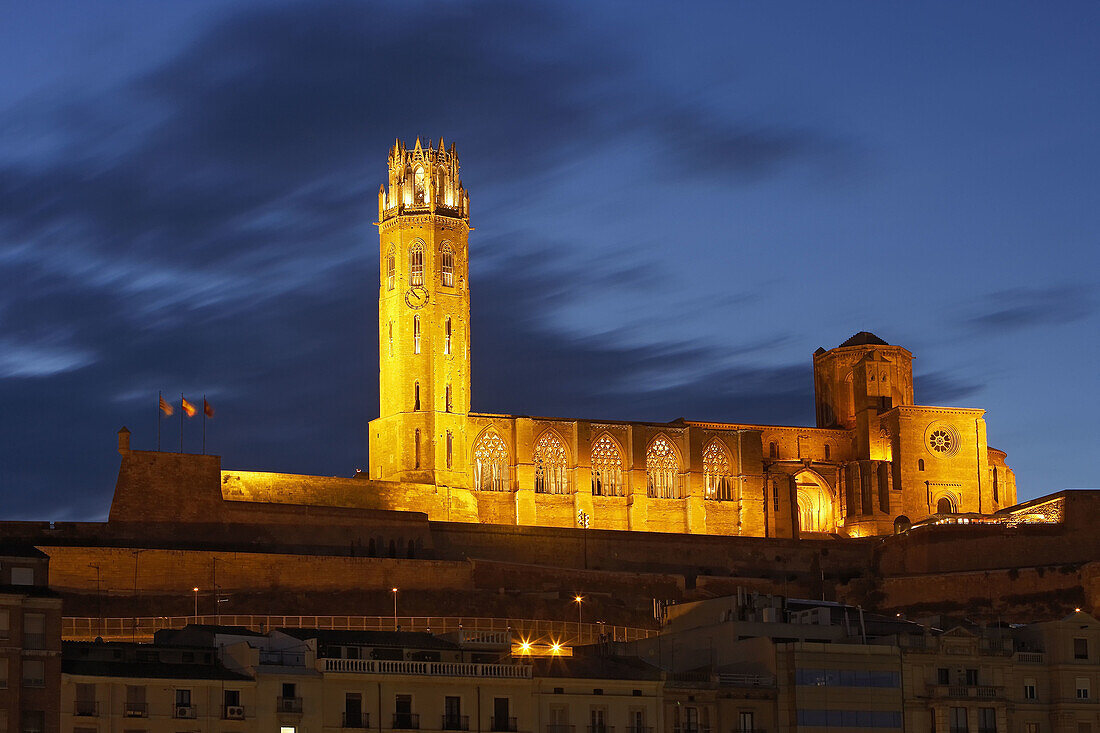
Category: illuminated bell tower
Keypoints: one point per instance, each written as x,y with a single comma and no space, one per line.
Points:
423,319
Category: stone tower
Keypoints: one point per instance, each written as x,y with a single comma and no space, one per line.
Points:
423,319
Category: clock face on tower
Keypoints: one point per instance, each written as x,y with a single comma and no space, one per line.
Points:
416,297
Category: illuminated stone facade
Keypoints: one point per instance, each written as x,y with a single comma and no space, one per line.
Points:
875,462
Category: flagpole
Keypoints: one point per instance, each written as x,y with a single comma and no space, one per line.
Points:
204,425
160,399
182,411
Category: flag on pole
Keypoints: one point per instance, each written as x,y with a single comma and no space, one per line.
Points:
165,407
207,408
187,407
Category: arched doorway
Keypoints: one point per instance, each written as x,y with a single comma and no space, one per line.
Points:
815,503
945,506
902,524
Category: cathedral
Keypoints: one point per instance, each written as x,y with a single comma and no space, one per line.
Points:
875,463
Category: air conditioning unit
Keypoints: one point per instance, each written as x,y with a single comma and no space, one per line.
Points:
185,711
234,712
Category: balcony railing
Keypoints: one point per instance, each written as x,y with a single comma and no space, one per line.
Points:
746,680
135,710
691,729
1030,657
355,720
502,725
34,641
406,721
85,708
559,728
456,722
966,692
438,669
289,704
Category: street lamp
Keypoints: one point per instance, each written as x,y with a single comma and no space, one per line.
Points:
196,591
578,599
394,591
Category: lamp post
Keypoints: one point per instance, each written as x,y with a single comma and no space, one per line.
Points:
98,600
583,520
196,591
578,599
394,591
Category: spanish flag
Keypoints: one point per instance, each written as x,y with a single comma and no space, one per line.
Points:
187,407
207,408
165,407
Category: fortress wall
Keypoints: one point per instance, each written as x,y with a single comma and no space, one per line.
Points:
623,586
656,552
178,571
1013,595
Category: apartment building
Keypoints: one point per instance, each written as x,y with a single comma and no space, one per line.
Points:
30,643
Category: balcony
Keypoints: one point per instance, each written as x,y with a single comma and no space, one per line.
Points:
184,712
455,722
86,709
355,720
601,728
406,721
135,710
289,704
966,692
502,725
434,669
691,729
1030,657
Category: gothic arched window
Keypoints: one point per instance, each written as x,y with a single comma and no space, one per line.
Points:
716,472
491,463
773,450
419,189
391,269
416,439
661,470
416,334
450,449
416,397
607,467
416,264
448,264
551,465
447,335
447,399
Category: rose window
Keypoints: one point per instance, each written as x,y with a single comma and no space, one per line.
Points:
940,441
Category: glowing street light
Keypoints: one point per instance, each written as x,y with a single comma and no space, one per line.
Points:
196,592
578,599
394,591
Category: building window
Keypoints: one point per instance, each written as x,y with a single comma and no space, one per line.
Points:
773,450
920,464
391,269
716,472
490,463
416,334
662,470
416,396
5,621
22,576
995,498
448,260
34,631
420,191
403,716
971,677
1029,688
1082,685
3,674
450,447
1031,728
987,720
33,721
746,722
958,721
416,452
775,495
607,468
353,711
941,441
826,451
943,676
447,335
416,264
1080,648
551,465
447,399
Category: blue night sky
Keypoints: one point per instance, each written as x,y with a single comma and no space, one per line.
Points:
675,204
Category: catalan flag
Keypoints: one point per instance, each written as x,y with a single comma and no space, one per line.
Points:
165,407
187,406
207,408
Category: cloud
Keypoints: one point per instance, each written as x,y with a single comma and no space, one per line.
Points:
1020,308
